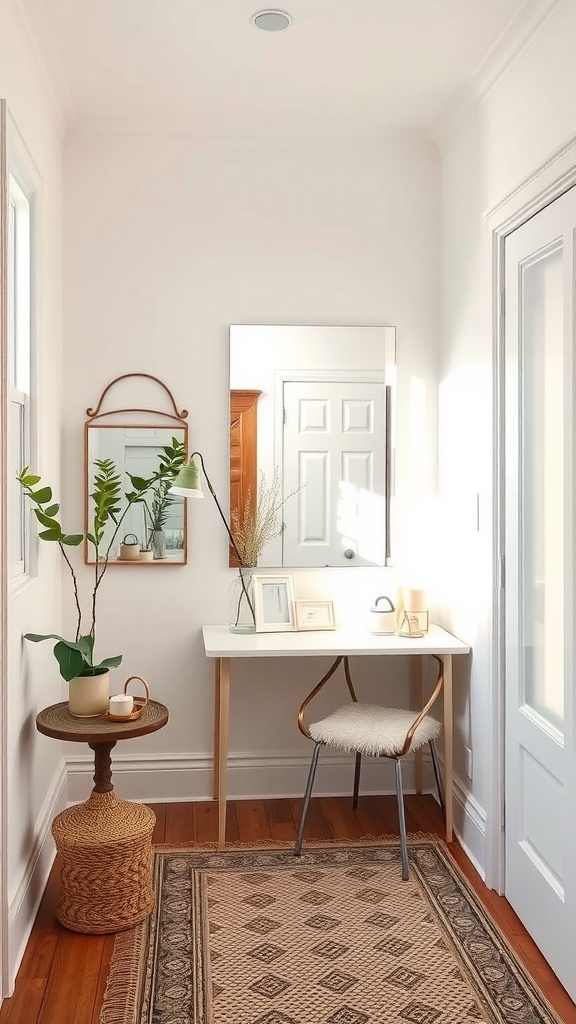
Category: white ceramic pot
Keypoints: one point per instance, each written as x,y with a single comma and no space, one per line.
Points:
383,620
88,696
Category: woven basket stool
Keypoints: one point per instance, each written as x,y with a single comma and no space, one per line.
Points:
105,847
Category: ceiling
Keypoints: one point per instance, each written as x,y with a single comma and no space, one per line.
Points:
351,68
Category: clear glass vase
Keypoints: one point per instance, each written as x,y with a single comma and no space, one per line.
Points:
241,618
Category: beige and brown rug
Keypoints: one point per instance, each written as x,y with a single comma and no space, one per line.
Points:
258,937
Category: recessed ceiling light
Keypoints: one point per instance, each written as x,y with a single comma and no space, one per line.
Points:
271,21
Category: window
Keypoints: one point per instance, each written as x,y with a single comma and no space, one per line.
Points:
19,309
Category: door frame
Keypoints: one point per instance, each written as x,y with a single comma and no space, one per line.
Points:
4,932
548,182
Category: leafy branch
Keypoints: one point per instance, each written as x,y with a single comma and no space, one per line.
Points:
77,656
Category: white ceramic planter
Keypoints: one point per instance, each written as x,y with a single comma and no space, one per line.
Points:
88,696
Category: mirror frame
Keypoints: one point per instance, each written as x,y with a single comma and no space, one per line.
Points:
123,418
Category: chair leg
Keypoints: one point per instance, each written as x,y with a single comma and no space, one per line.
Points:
439,786
357,767
401,819
307,795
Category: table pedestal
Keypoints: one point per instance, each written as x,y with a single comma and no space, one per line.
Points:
105,844
105,847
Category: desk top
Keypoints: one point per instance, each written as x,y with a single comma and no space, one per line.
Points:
219,642
56,721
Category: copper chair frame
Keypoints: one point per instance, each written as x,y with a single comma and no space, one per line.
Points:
343,659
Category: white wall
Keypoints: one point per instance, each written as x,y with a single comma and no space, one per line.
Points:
167,242
34,764
530,113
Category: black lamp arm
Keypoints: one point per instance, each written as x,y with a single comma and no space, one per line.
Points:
217,503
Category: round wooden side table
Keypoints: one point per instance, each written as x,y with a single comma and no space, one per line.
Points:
104,843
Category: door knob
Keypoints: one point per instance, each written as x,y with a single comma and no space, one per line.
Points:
349,553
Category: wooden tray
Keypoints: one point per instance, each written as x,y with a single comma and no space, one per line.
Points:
139,704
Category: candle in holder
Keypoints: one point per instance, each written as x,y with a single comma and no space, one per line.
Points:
121,704
414,600
414,619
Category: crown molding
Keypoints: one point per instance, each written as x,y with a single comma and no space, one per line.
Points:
507,49
61,106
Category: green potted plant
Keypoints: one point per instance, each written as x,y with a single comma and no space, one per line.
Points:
109,504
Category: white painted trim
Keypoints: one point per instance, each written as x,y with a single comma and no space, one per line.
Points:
267,775
544,184
549,181
470,826
4,967
516,35
25,902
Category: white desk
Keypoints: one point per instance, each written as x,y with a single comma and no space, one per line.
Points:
223,646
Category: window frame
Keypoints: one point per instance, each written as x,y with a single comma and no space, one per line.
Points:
22,185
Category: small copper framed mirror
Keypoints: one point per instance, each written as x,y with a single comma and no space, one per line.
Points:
133,452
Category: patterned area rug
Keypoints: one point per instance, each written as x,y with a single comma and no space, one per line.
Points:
257,937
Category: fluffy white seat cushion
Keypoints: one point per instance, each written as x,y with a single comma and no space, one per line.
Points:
372,730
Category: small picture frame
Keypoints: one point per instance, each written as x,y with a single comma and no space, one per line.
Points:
274,603
315,615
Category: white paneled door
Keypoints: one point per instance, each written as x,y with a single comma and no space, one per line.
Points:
540,581
334,455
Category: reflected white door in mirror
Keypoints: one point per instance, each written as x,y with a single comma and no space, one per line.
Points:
321,421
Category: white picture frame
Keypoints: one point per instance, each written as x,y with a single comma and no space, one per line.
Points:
314,615
274,603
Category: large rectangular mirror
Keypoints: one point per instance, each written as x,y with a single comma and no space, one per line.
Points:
311,419
156,523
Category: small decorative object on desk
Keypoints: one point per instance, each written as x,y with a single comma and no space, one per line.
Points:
124,707
413,620
383,620
241,618
274,603
253,527
315,615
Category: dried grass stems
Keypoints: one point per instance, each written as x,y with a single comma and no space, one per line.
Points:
254,527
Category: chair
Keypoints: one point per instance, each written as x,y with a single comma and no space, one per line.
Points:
372,731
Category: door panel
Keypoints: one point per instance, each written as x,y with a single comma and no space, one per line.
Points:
539,425
314,515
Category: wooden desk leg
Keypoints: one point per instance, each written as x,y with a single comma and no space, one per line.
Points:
216,757
222,760
448,746
417,674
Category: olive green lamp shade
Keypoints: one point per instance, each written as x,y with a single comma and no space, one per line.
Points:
188,483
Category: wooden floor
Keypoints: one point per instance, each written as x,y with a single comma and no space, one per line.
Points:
63,974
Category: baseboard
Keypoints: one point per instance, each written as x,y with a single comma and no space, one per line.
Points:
24,905
470,826
269,775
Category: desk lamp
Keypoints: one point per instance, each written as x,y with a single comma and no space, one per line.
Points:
188,484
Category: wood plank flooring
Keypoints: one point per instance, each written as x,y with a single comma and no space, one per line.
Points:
63,974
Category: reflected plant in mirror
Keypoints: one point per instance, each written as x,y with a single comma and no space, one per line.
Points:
161,506
316,402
